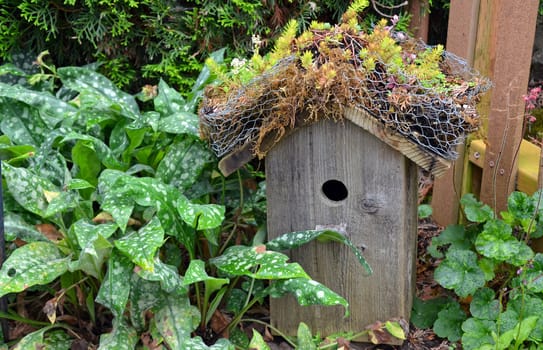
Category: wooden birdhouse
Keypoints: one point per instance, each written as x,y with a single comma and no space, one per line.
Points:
332,174
344,122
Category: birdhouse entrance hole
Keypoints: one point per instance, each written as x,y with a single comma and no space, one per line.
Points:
334,190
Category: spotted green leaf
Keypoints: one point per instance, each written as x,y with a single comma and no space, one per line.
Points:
307,292
27,188
21,123
183,163
180,123
52,110
196,273
460,271
115,288
61,203
496,241
45,338
87,232
92,257
257,342
121,337
32,264
305,338
87,81
167,275
168,100
141,246
16,227
144,295
257,262
296,239
196,343
176,319
200,216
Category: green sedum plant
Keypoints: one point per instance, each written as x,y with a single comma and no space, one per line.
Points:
119,228
490,266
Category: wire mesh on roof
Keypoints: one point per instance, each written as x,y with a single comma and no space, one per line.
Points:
436,118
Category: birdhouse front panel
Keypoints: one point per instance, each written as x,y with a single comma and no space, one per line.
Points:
340,176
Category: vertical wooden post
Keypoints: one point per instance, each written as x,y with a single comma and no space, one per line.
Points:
461,38
420,19
378,207
503,52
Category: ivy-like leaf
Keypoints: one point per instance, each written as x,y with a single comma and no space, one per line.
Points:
496,241
32,264
449,322
484,306
200,216
141,246
477,333
452,235
476,211
459,271
307,292
424,312
115,287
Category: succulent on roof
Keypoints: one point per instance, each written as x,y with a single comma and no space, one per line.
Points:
423,93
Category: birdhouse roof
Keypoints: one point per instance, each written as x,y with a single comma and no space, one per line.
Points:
418,99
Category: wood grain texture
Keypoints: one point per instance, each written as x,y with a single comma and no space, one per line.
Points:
380,212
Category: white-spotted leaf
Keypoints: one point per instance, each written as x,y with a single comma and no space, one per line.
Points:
183,163
196,273
27,188
144,295
307,292
45,338
305,338
296,239
167,275
82,79
115,287
121,337
141,246
168,100
257,262
16,227
180,123
200,216
32,264
176,319
257,342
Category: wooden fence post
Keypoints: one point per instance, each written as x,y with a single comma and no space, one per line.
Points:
503,52
461,37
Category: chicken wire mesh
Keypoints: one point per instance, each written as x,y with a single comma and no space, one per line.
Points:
260,113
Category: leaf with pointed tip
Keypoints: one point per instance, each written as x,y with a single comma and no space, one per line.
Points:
141,246
52,340
115,287
168,100
200,216
257,262
32,264
305,338
296,239
103,152
258,343
307,292
180,123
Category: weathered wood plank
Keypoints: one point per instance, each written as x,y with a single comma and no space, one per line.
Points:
461,37
380,212
504,48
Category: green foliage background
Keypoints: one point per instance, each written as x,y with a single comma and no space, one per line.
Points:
140,41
